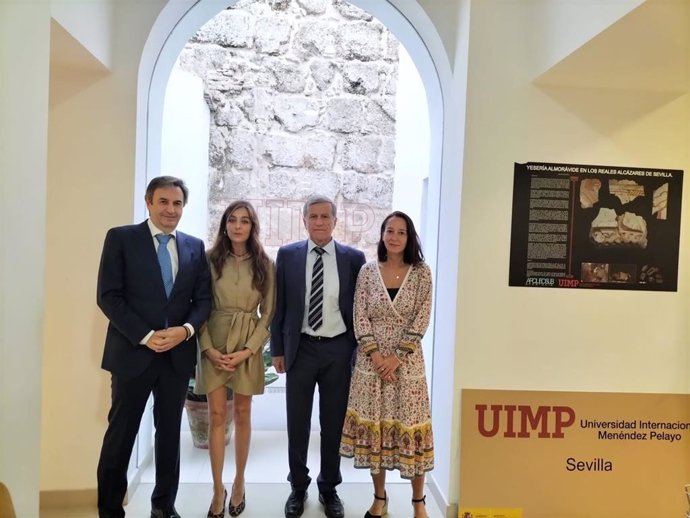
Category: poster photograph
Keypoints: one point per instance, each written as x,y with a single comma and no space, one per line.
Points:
592,226
575,454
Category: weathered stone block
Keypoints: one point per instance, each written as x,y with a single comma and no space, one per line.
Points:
314,6
280,182
315,38
272,35
347,10
387,104
373,190
235,185
295,113
391,81
309,153
216,148
376,120
240,152
322,72
344,114
361,78
361,154
229,115
360,40
387,154
391,47
279,5
200,58
290,76
324,182
229,28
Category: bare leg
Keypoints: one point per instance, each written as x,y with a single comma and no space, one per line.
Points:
243,434
217,407
379,481
418,494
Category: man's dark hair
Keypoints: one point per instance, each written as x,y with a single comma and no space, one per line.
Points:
166,181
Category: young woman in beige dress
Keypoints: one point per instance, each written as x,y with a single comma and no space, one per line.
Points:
388,420
231,343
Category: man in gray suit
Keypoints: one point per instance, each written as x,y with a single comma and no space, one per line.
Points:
312,340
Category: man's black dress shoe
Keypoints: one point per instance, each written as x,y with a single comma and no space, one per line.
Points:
164,513
294,507
332,505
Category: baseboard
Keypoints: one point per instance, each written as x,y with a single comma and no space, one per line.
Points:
68,498
449,510
59,499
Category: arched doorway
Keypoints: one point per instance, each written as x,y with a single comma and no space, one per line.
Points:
177,23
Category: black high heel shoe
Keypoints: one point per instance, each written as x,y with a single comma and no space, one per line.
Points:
220,514
236,510
419,501
384,510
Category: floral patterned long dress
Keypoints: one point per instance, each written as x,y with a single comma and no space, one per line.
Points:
388,423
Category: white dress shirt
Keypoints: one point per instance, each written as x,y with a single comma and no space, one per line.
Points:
333,324
172,250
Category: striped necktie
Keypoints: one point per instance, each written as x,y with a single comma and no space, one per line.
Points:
315,318
165,262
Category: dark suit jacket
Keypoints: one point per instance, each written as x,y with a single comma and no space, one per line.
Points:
131,294
291,264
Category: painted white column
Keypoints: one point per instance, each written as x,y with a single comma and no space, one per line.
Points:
24,70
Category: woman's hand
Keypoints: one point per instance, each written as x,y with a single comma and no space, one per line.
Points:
219,360
386,366
234,359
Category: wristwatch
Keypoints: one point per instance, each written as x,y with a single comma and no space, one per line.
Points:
401,354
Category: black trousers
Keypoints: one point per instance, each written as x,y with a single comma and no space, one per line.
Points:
328,364
129,397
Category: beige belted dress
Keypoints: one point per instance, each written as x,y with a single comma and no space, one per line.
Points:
240,318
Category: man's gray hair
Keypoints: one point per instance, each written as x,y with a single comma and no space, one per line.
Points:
318,198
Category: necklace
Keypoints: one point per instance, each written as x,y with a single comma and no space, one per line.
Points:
396,275
240,256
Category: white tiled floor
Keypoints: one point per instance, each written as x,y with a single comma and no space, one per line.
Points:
266,487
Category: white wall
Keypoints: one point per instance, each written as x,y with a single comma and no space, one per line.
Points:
184,146
542,339
412,140
90,189
89,23
24,58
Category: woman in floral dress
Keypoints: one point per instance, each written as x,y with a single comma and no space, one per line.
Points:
231,342
388,420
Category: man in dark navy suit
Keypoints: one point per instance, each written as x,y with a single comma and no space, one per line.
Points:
155,288
312,340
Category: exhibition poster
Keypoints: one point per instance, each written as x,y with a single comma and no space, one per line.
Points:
592,226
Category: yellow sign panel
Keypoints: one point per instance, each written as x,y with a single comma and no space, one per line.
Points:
575,454
476,512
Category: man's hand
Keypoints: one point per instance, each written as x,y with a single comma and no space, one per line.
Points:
279,364
165,339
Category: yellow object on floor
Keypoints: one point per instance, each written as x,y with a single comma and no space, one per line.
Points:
6,507
487,512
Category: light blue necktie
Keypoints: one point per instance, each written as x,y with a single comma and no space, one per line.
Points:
165,262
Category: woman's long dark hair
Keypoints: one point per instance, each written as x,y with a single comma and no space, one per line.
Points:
413,248
222,247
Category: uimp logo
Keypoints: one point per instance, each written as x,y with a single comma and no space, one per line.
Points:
518,421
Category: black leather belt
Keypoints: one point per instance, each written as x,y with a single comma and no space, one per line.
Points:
320,339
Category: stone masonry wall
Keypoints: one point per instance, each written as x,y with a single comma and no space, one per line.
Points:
302,100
